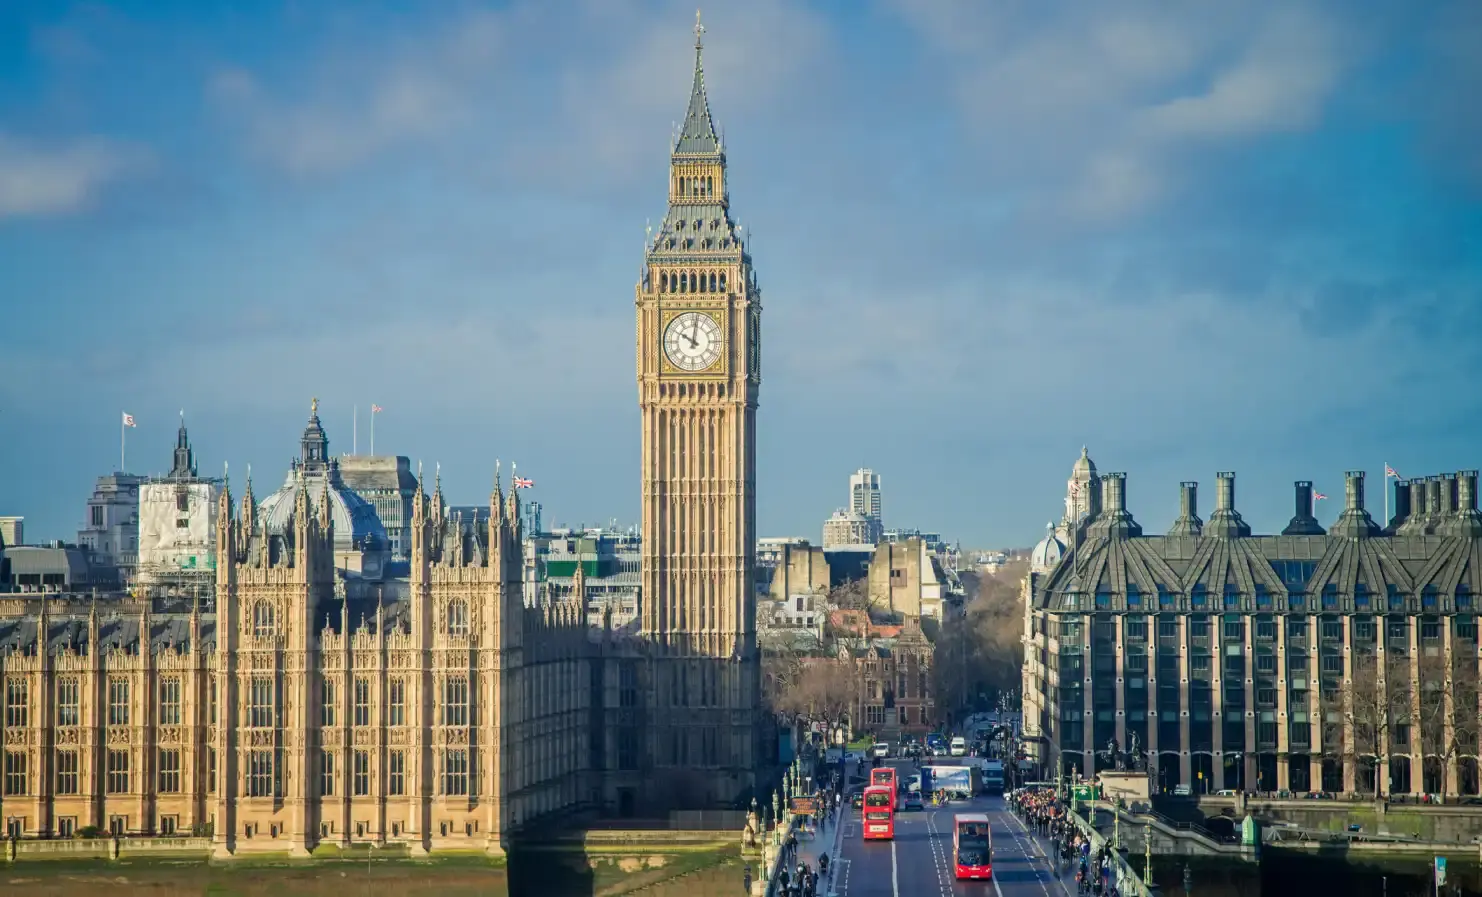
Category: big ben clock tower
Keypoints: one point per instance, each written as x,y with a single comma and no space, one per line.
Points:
699,374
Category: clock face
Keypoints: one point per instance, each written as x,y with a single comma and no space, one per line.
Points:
692,341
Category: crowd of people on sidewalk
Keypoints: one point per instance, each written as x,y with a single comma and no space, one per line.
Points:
798,877
1042,812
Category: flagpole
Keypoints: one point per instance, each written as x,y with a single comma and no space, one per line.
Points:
123,444
373,432
355,431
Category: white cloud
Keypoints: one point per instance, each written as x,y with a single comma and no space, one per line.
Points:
55,178
362,100
1099,110
1279,84
482,84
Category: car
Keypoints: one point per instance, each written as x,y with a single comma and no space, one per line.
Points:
1225,792
1182,791
880,749
856,800
912,801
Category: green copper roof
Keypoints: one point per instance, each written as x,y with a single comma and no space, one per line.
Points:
697,137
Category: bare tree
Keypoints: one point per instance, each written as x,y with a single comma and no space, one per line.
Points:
824,691
1448,716
851,595
781,670
983,654
1379,709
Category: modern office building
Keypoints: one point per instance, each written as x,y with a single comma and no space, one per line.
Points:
1337,660
864,493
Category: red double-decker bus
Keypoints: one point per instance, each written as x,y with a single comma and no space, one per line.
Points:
884,777
972,846
879,813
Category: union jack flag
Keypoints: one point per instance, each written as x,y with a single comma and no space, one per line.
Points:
522,483
376,409
1391,472
1318,496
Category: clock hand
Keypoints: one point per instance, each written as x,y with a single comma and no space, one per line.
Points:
695,333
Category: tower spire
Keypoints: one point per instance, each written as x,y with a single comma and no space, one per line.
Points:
697,135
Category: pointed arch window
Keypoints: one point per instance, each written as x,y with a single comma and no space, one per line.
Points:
723,278
710,186
264,620
684,282
712,275
458,618
664,283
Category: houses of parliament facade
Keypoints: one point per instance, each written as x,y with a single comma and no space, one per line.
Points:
313,691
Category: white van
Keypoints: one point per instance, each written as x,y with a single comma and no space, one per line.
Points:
959,746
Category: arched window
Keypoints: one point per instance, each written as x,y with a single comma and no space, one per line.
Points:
722,282
664,283
263,623
684,282
457,617
712,280
709,186
683,185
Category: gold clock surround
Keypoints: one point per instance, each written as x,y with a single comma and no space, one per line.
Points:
720,367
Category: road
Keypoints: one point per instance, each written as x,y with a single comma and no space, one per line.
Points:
918,863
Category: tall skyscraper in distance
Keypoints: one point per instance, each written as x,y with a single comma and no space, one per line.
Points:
864,493
864,501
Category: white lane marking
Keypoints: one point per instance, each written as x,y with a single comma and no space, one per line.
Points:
1034,842
895,877
840,877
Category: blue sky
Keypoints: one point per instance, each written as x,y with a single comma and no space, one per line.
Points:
1194,236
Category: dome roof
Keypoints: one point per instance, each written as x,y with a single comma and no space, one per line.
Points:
1047,553
1084,464
355,519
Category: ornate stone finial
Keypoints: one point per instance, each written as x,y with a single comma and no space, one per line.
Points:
699,31
314,407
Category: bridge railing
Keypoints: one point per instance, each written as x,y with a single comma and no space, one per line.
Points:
1127,879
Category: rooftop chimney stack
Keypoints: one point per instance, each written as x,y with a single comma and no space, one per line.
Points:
1188,522
1115,520
1225,522
1435,504
1224,494
1354,490
1449,496
1418,517
1402,507
1303,523
1466,523
1354,522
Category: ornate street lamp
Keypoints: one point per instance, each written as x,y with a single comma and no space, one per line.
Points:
1147,854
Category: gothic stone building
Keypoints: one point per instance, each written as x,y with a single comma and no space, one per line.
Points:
321,695
1343,660
288,712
